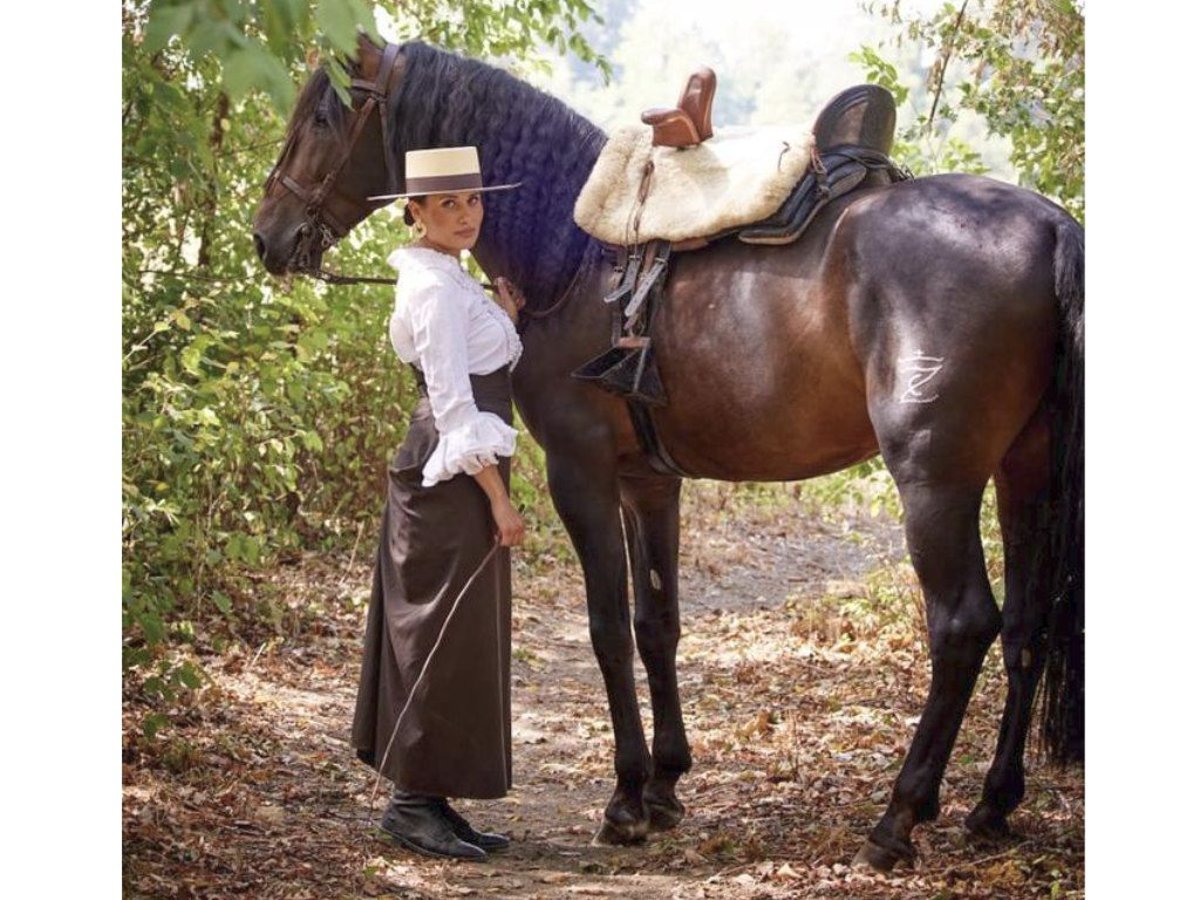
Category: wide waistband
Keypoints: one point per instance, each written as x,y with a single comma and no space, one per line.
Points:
492,392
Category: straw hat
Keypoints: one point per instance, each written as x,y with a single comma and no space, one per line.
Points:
442,170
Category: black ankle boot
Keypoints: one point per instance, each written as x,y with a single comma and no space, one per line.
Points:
418,823
463,831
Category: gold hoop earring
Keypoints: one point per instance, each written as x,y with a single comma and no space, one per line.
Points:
419,228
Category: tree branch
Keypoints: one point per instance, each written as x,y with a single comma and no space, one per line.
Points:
945,65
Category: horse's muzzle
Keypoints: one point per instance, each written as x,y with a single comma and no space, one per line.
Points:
280,256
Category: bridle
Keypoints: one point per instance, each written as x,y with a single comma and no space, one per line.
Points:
317,219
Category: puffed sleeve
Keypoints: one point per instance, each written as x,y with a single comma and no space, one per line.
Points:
468,439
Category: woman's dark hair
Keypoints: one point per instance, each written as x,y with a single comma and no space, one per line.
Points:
408,217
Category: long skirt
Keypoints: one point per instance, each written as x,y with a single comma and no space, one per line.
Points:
455,739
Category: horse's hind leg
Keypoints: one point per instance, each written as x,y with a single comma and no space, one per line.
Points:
942,527
651,509
1021,486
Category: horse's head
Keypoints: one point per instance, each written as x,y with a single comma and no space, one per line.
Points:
332,160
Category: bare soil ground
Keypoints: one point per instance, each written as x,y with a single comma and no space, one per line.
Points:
803,671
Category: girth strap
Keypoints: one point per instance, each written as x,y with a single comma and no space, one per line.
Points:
656,453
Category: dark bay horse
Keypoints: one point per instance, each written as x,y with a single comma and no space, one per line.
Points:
937,321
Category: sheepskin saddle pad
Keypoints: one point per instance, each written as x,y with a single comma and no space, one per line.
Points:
637,192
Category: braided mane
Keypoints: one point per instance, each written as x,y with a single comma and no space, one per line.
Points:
523,134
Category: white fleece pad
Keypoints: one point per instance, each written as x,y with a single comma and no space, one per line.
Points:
736,177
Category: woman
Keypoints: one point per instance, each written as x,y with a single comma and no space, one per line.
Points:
433,711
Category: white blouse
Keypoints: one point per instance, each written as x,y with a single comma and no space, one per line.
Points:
447,325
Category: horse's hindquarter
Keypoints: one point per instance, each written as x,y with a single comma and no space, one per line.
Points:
753,348
951,311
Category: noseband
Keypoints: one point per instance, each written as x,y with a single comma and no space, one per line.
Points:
317,219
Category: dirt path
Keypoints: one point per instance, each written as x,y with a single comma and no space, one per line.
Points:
800,697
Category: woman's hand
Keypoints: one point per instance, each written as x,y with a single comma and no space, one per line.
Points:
508,522
510,298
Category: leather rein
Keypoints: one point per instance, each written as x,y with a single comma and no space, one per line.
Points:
319,220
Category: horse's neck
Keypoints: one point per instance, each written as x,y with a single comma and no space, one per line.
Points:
531,237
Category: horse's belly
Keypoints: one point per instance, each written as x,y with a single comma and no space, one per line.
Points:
732,422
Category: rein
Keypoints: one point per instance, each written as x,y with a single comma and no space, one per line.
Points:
536,315
334,278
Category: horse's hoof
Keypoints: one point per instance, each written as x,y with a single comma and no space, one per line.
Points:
612,835
664,813
881,859
985,824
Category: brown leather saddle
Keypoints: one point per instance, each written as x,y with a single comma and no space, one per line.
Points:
852,138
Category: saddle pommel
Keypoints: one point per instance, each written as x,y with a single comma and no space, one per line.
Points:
690,122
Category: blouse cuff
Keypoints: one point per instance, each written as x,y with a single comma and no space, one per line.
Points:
469,448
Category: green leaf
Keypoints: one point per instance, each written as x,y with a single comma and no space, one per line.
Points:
337,21
282,22
222,602
339,78
253,68
188,675
365,18
166,22
152,723
212,36
152,627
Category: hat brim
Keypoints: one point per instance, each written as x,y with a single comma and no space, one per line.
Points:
474,190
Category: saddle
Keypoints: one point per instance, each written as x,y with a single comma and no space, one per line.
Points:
848,147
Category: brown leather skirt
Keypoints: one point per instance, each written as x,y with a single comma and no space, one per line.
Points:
455,740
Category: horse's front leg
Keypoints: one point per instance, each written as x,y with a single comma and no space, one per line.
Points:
583,485
651,508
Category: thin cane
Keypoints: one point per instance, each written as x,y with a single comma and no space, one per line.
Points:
425,667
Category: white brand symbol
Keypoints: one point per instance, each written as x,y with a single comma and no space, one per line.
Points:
920,369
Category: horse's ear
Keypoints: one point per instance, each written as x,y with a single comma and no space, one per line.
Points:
368,50
366,45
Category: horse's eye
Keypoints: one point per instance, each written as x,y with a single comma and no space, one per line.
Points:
320,119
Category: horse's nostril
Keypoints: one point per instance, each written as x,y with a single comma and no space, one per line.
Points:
260,246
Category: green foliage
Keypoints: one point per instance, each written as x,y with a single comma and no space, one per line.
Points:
506,28
255,43
259,45
1017,63
258,417
865,487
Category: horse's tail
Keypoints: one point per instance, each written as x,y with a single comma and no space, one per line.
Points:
1062,706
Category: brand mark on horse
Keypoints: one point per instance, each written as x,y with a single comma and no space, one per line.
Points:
920,369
